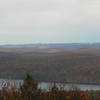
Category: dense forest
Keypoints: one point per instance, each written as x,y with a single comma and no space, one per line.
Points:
51,64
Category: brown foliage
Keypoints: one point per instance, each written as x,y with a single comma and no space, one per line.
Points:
29,91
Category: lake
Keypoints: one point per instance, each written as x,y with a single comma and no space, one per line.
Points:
46,85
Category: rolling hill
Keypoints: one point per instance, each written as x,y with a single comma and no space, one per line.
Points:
52,64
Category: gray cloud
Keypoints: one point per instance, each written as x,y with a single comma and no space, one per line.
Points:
91,15
48,20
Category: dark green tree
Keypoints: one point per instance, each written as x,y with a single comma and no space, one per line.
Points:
29,89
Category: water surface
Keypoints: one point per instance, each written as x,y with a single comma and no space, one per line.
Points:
47,85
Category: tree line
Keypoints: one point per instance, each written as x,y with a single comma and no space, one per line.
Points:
29,91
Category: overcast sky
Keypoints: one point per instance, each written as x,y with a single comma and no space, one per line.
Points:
49,21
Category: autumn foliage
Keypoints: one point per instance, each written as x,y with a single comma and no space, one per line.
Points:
29,91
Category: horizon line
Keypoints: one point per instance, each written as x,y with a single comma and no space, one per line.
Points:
49,43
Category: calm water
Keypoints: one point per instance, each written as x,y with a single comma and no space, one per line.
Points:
46,86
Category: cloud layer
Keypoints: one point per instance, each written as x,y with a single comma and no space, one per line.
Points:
26,21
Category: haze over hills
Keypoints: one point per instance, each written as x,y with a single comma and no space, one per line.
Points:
55,45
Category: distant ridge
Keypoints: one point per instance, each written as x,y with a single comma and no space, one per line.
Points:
56,45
